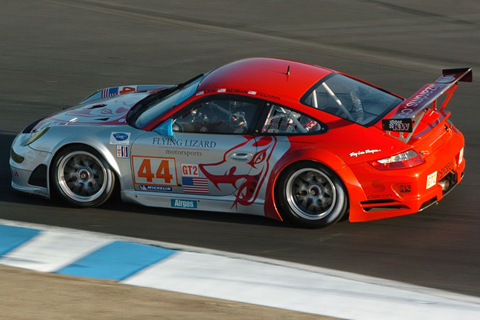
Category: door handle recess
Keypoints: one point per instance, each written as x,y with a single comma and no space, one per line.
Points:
241,156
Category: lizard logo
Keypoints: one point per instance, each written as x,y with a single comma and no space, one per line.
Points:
247,184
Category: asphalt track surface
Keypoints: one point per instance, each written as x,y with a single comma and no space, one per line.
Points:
53,53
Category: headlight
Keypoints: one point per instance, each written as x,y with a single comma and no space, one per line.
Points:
403,160
37,135
16,157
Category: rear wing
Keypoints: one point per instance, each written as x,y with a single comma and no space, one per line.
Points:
411,111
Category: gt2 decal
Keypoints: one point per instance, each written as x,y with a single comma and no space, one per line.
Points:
248,184
154,171
190,170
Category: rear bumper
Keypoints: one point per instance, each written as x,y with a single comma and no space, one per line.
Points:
383,194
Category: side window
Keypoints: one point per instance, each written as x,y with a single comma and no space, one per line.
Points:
281,120
224,115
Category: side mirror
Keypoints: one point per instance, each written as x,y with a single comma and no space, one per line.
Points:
165,128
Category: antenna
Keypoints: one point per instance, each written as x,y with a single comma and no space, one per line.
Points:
288,71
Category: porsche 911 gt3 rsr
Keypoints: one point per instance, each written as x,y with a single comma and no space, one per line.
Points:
261,136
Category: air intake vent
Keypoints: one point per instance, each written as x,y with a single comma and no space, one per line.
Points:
97,106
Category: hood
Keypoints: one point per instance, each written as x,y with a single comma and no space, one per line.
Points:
111,111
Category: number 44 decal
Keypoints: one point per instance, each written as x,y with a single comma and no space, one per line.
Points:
154,170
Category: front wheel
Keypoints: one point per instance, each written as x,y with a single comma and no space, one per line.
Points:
311,195
82,177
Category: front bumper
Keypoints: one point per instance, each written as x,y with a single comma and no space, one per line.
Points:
29,168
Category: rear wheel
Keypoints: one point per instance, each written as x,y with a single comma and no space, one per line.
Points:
82,177
311,195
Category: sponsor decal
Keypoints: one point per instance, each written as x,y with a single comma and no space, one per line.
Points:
195,185
446,169
146,187
399,125
183,153
185,204
431,180
267,96
123,151
239,91
361,153
420,99
120,138
380,196
15,174
191,143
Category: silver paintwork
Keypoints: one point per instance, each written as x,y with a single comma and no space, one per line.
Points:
216,152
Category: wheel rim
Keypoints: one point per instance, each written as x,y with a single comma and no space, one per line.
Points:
82,176
311,194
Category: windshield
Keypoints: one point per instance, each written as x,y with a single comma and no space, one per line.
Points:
350,99
154,106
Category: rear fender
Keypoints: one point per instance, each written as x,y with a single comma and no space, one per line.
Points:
323,157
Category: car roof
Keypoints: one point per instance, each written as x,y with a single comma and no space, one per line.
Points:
267,76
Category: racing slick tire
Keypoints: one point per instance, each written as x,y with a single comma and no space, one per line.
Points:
81,176
310,195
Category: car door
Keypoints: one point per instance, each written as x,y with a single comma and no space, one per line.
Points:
210,153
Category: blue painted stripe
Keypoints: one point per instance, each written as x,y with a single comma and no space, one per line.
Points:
12,237
116,261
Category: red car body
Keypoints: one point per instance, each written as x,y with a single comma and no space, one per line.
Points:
348,148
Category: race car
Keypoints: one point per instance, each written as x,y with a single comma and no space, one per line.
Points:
262,136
